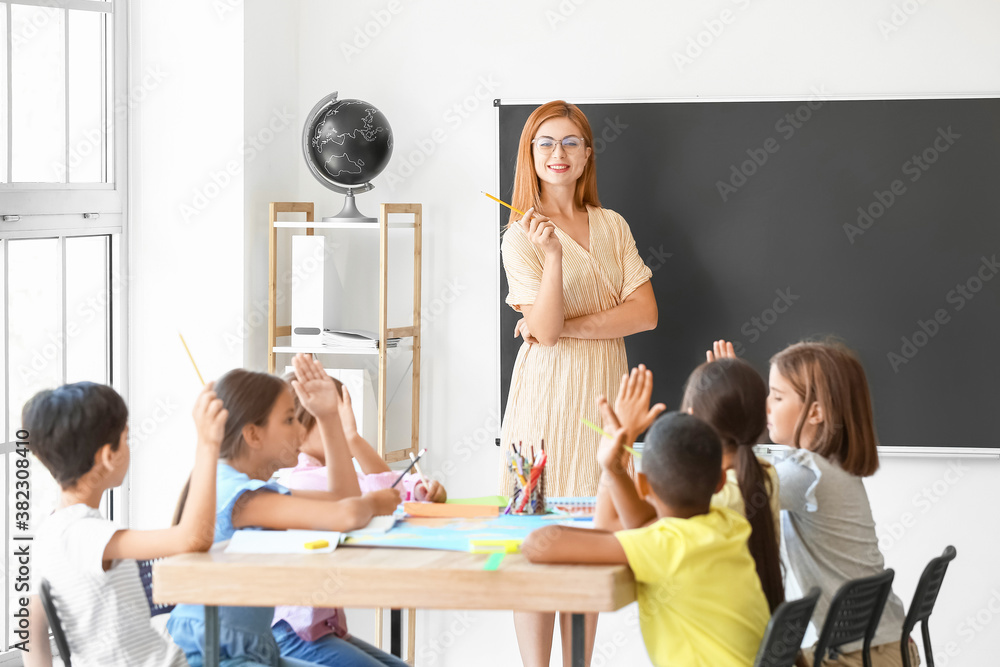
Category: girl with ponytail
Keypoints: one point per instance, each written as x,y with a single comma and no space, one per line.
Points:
731,396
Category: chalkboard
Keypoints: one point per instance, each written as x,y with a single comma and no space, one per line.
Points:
767,222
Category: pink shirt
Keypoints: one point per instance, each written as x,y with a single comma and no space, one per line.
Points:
312,623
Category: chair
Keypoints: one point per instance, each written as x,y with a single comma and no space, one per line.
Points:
57,632
854,614
146,575
923,604
785,630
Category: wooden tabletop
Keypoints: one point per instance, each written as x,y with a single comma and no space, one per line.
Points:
388,577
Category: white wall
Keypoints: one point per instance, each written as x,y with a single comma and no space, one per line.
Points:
187,231
419,61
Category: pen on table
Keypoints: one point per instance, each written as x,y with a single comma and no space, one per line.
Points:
594,427
413,462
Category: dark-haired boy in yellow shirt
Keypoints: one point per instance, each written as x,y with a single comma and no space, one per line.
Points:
700,600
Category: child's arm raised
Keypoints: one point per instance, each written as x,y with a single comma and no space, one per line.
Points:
721,349
632,403
369,460
563,544
632,510
318,394
196,530
266,509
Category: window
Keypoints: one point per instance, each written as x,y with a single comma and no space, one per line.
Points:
64,110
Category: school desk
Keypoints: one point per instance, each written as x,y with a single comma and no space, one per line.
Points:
386,577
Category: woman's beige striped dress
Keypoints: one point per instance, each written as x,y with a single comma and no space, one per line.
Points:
552,387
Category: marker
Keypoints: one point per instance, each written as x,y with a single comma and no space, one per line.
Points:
594,427
500,201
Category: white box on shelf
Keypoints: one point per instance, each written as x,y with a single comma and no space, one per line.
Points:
359,384
312,290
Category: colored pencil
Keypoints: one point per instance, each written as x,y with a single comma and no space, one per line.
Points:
413,462
594,427
500,201
417,468
191,357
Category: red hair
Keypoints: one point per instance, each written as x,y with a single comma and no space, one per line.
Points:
527,188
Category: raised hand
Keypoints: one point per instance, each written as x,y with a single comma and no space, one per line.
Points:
611,453
346,409
721,349
632,404
540,231
521,329
209,417
314,387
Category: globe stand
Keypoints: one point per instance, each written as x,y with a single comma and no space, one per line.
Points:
350,212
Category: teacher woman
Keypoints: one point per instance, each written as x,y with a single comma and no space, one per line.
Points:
574,273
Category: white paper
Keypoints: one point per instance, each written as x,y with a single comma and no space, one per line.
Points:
377,526
280,541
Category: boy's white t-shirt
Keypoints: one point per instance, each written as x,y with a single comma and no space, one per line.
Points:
104,615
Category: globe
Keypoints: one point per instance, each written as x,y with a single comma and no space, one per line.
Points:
346,143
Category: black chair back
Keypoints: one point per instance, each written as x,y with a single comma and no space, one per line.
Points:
785,630
146,575
854,614
923,604
45,593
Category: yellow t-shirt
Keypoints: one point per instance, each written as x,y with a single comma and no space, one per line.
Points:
731,497
700,601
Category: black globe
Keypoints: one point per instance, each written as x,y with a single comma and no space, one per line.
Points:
346,143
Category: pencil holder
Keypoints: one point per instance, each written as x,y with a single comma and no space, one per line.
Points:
535,504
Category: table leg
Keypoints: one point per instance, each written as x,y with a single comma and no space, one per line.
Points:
211,636
396,632
579,651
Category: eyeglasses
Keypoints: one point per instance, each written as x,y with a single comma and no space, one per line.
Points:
546,145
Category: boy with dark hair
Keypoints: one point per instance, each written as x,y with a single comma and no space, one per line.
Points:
700,600
79,432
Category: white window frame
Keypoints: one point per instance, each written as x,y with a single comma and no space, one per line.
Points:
61,210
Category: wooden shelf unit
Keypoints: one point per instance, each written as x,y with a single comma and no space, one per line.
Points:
409,331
